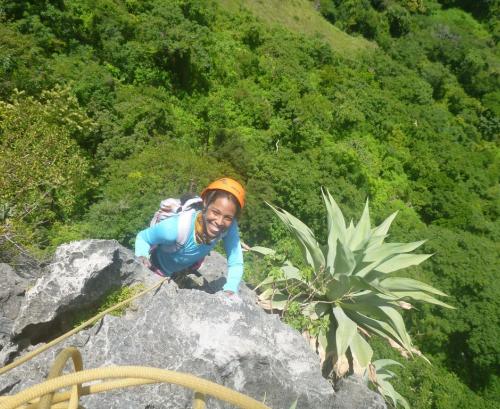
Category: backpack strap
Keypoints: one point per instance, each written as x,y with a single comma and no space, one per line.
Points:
183,227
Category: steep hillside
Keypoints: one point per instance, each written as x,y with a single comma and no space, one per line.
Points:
300,16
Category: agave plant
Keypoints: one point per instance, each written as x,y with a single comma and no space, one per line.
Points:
351,284
381,381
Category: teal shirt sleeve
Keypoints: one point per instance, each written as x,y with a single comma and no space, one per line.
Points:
234,254
164,232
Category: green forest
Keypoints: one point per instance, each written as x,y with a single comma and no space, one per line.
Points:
109,106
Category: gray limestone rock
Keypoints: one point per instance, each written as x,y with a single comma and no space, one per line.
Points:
11,292
200,330
219,338
11,296
352,393
80,274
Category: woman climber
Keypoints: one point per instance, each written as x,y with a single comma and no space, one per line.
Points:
182,240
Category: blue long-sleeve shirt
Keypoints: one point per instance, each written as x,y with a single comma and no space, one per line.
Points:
164,234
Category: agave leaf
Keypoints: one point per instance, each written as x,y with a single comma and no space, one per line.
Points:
337,288
272,299
401,400
376,240
344,260
270,281
383,228
336,218
315,310
349,232
421,296
278,302
401,261
327,341
386,374
264,251
370,269
361,234
291,272
345,330
383,377
367,309
361,350
359,283
323,341
382,363
267,294
379,327
305,237
386,389
336,229
389,249
397,323
408,284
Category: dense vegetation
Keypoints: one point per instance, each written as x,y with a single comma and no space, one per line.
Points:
108,106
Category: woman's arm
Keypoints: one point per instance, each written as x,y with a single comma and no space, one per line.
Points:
164,232
232,246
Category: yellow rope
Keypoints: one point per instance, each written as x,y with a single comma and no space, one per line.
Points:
87,323
56,370
198,401
43,396
155,374
92,389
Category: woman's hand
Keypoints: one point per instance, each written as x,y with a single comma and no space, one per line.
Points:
145,261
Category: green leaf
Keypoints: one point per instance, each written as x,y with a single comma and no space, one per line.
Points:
336,229
361,234
336,221
361,350
397,323
379,327
345,330
383,228
315,310
279,301
273,299
401,400
294,404
291,272
386,389
344,261
421,296
337,288
382,363
305,237
327,341
359,283
388,249
401,261
349,232
370,268
408,284
368,309
264,251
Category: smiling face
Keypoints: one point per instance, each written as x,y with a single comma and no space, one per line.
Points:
219,215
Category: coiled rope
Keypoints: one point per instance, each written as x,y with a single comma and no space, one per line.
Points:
44,396
122,376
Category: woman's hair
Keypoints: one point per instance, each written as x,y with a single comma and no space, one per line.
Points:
215,194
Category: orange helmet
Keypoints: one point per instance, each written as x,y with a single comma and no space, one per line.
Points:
228,185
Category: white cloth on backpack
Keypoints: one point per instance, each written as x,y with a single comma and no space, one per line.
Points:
171,207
